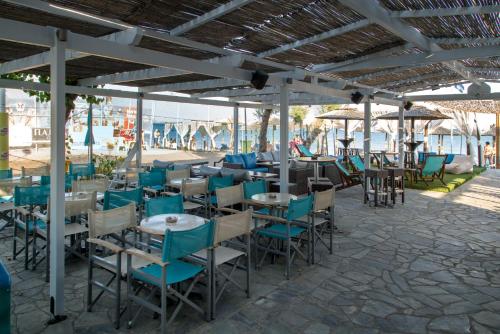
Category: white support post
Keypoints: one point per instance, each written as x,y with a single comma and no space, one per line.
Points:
367,134
57,174
236,128
284,92
91,133
138,127
401,137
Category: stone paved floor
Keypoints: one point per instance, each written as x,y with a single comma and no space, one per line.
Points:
430,266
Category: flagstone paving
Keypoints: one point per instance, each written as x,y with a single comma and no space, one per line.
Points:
431,265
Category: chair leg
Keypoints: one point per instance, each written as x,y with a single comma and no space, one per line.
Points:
47,254
248,265
118,288
89,279
26,248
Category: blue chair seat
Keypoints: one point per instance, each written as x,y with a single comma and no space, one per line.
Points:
177,271
40,223
279,231
157,187
6,199
263,211
259,169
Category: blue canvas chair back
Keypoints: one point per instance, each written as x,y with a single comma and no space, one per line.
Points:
162,170
357,162
6,174
253,188
82,170
304,150
449,158
179,244
299,208
433,164
37,195
117,199
68,180
216,182
342,168
151,179
164,205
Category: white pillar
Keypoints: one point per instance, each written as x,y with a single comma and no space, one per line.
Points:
236,122
57,173
138,126
367,134
284,96
91,133
401,137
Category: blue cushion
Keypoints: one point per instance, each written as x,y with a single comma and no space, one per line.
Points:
235,159
250,160
177,271
279,231
259,169
6,199
449,158
40,223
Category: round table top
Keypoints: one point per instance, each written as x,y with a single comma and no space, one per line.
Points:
82,195
178,182
276,199
318,160
184,222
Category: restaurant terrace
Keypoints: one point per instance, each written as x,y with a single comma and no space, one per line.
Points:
279,240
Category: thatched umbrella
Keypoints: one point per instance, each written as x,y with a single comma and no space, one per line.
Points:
416,113
345,114
440,131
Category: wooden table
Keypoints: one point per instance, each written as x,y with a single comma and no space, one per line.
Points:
316,162
157,224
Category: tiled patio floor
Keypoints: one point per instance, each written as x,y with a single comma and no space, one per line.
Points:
432,265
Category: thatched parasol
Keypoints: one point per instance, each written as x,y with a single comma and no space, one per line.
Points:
345,114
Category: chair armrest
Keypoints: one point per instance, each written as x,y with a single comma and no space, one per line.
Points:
149,190
148,230
40,216
229,210
169,193
111,246
270,218
218,162
146,256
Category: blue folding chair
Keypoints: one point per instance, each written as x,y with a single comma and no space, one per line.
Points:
288,231
116,199
357,163
214,183
164,205
152,183
254,188
6,174
26,199
166,273
82,170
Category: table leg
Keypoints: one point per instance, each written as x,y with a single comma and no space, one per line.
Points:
376,190
316,172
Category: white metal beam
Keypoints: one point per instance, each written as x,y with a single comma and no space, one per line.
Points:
138,130
316,38
420,59
375,12
131,36
81,90
467,40
284,100
452,97
401,137
456,11
236,122
57,172
330,66
209,16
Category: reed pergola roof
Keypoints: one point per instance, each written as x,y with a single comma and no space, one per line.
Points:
339,42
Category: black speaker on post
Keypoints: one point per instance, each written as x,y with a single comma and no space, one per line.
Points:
259,79
356,97
407,106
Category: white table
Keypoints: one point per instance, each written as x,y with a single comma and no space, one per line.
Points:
273,199
76,196
184,222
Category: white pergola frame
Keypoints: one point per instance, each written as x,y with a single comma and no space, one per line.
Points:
284,88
